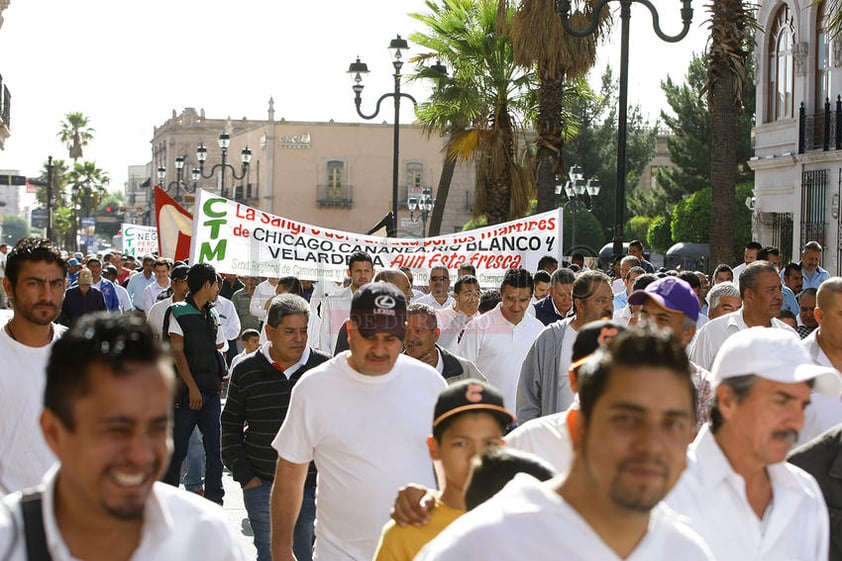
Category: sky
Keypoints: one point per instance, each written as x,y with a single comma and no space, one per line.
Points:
128,65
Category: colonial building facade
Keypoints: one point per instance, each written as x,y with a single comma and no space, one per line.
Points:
798,133
335,175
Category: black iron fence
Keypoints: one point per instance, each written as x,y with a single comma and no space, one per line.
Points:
820,131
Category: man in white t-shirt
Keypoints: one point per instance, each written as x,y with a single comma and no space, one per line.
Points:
630,442
34,282
363,416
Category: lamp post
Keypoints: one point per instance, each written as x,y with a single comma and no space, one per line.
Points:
576,189
50,174
425,204
563,7
224,142
356,71
178,182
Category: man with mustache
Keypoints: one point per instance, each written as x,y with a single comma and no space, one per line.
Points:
738,492
364,417
544,387
106,415
421,343
34,282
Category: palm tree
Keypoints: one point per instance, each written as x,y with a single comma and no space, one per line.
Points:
75,134
478,106
730,35
87,183
539,39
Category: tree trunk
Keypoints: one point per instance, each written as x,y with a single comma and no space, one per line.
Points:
441,196
550,142
499,164
723,108
723,170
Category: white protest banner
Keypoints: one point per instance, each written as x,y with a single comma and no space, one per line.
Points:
246,241
139,240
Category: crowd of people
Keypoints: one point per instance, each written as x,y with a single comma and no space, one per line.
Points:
569,412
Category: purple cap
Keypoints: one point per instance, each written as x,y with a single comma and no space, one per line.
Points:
671,293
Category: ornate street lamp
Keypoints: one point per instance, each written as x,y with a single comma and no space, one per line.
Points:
356,71
425,204
563,7
179,183
224,142
580,193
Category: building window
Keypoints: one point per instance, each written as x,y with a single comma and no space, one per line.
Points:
824,56
781,66
335,192
414,180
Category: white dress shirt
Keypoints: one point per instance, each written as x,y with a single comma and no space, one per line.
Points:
431,301
452,323
176,525
710,337
336,309
713,496
498,348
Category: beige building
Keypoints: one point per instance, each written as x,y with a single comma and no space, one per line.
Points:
335,175
5,96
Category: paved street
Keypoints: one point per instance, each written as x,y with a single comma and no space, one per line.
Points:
236,511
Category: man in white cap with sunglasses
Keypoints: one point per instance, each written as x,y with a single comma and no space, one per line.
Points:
741,496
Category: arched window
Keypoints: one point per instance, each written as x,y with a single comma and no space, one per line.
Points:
824,57
781,66
414,180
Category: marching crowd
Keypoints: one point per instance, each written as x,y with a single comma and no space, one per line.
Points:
567,413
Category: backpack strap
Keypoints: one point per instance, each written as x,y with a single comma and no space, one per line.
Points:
33,527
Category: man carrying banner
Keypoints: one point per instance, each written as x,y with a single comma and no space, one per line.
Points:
337,306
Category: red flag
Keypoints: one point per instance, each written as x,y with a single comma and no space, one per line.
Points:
175,227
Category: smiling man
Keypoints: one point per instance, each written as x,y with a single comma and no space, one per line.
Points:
363,416
106,417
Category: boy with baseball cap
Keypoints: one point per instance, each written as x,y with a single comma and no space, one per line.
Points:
469,418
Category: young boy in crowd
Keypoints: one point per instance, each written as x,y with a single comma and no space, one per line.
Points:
469,418
250,338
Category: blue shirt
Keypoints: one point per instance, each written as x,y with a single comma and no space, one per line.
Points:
790,301
813,281
136,285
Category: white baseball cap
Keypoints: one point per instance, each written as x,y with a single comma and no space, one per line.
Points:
776,354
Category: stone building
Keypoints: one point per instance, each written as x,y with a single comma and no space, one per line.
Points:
798,133
335,175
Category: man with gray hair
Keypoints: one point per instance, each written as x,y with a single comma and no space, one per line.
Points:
760,289
618,286
421,343
723,298
738,492
258,400
556,305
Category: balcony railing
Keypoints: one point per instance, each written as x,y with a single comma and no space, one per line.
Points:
330,196
820,131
